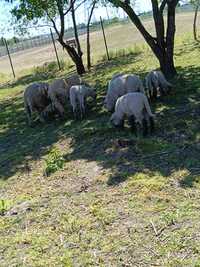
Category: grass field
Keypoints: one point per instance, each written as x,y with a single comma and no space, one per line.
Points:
118,37
103,204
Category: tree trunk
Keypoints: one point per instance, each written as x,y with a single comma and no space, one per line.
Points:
163,48
76,59
74,56
88,48
195,22
170,69
88,37
76,30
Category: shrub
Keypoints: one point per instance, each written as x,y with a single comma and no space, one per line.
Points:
54,161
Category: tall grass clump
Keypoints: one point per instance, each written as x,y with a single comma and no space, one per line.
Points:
135,50
50,69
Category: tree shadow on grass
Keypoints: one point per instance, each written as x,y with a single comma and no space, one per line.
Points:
172,147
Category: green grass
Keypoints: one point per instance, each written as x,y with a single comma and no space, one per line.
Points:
100,201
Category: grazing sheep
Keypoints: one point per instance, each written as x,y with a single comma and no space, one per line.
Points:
122,84
155,81
36,99
59,91
136,107
79,93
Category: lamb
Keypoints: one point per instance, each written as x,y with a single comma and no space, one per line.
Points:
59,91
79,93
36,99
136,107
155,81
119,85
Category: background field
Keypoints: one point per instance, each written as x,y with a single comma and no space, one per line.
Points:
113,199
119,36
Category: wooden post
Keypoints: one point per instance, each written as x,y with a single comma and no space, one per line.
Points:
104,37
11,64
53,41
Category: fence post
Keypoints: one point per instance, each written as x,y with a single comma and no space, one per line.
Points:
104,37
53,41
11,64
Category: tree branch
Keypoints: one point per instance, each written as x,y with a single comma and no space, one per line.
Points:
162,6
159,23
54,24
75,29
62,19
79,4
70,7
91,12
135,19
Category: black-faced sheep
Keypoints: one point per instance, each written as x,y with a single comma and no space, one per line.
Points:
36,99
155,82
136,107
121,84
78,95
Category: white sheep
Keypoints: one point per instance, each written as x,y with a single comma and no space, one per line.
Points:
59,91
36,99
119,85
136,107
78,95
155,81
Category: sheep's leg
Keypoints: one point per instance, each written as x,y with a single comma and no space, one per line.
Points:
75,113
81,111
28,113
59,108
152,124
154,95
162,91
145,127
121,125
41,117
46,112
131,120
82,107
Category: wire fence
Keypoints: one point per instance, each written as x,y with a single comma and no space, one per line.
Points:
21,57
41,40
25,44
11,51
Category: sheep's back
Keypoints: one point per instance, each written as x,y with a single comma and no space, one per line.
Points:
36,96
132,83
131,104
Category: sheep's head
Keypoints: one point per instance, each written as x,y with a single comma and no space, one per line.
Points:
116,121
109,103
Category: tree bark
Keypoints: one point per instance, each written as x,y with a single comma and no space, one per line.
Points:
80,53
88,37
76,55
195,22
169,67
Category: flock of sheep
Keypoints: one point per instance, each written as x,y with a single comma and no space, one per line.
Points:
126,96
